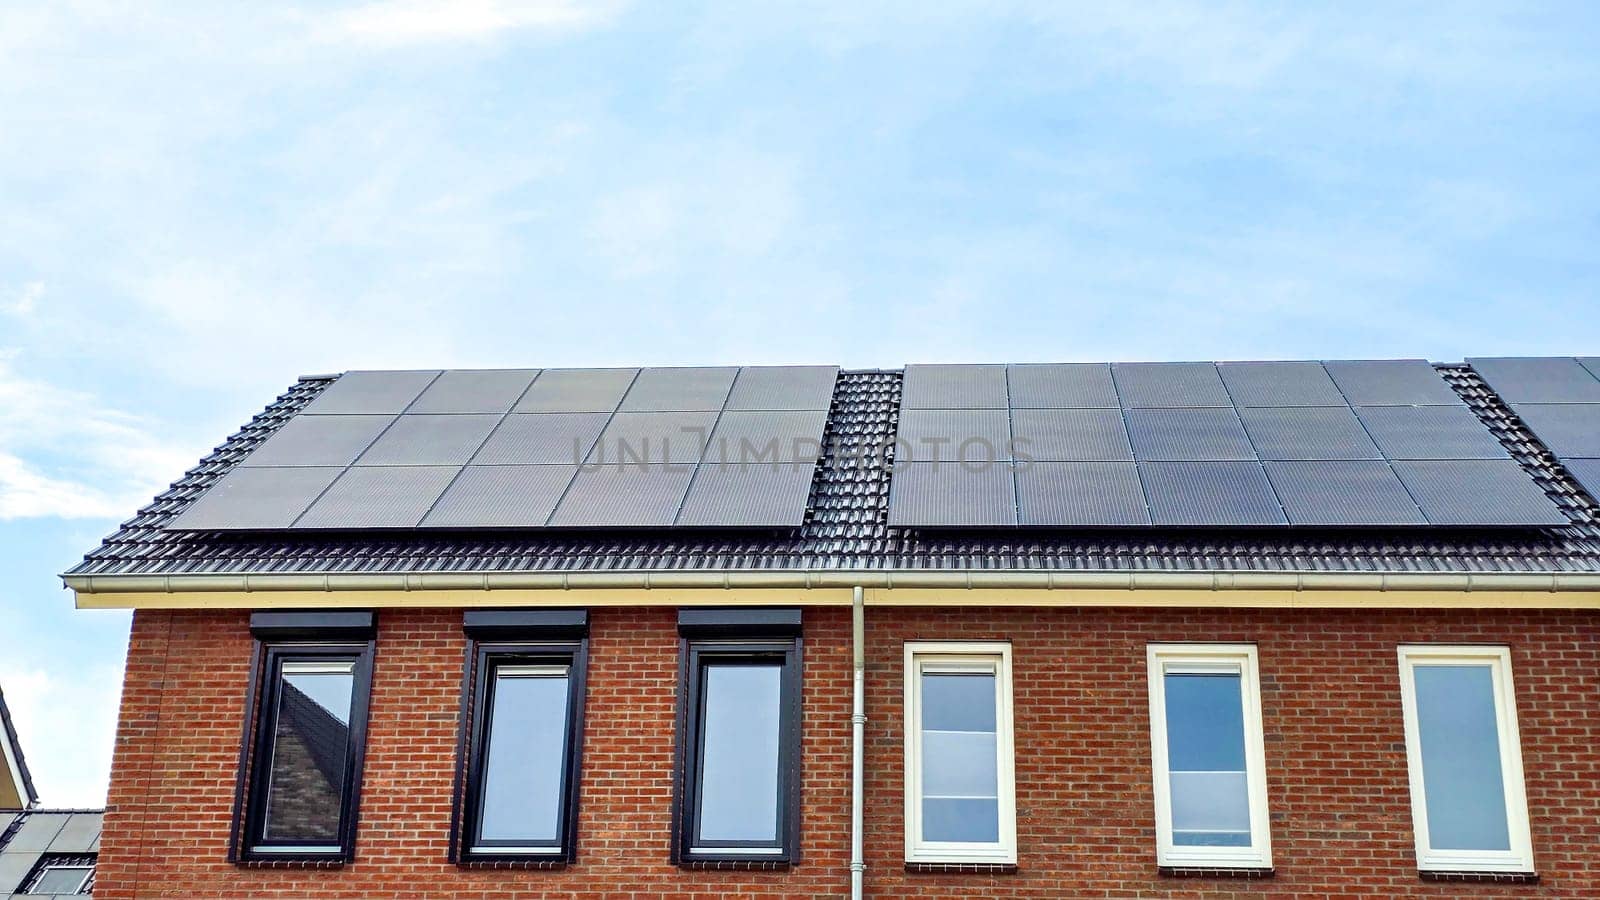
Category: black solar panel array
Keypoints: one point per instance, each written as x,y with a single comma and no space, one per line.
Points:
1558,398
1347,443
581,448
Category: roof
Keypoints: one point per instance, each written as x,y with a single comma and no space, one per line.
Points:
846,528
13,765
33,838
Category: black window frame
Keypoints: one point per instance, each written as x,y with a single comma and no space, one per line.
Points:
517,637
736,637
299,637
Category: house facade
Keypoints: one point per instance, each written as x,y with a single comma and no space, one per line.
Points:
1294,629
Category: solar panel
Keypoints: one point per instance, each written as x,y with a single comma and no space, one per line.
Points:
1587,473
1210,493
1080,494
1062,386
1477,492
1568,429
257,498
360,393
750,495
562,417
1430,432
474,391
961,435
783,387
680,390
954,387
1223,419
319,441
378,497
775,436
1391,382
1070,434
613,496
501,497
944,494
429,440
1308,432
577,390
1342,492
1188,434
1538,379
654,437
1182,384
1279,384
542,438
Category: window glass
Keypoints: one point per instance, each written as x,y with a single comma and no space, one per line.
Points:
60,880
1206,760
960,758
525,759
1461,773
310,747
742,719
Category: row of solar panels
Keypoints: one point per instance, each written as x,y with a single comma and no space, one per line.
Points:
1347,443
1344,443
576,448
1558,398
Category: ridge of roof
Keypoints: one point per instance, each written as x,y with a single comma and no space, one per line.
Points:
846,527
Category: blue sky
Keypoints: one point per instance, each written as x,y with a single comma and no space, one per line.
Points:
199,202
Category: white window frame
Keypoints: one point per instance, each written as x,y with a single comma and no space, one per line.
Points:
982,656
1167,659
1519,858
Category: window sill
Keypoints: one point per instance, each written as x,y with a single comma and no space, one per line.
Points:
1480,877
961,868
735,865
1215,872
293,862
512,863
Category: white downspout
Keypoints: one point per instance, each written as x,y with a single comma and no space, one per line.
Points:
858,727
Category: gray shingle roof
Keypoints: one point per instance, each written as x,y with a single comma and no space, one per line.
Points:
30,838
847,525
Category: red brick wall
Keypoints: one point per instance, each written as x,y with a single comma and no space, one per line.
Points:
1341,821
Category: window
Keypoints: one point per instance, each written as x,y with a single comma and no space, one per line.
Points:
960,790
1467,802
304,764
1210,769
62,878
525,694
739,737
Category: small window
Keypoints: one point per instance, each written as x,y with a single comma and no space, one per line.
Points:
1210,768
960,789
522,769
1467,802
61,878
739,751
302,775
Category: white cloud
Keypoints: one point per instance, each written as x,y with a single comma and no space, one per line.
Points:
65,455
393,23
24,300
66,718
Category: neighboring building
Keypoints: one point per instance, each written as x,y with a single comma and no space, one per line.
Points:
48,852
16,784
1203,630
43,852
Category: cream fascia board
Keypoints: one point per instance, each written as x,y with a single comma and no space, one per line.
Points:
1199,658
994,656
1517,859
